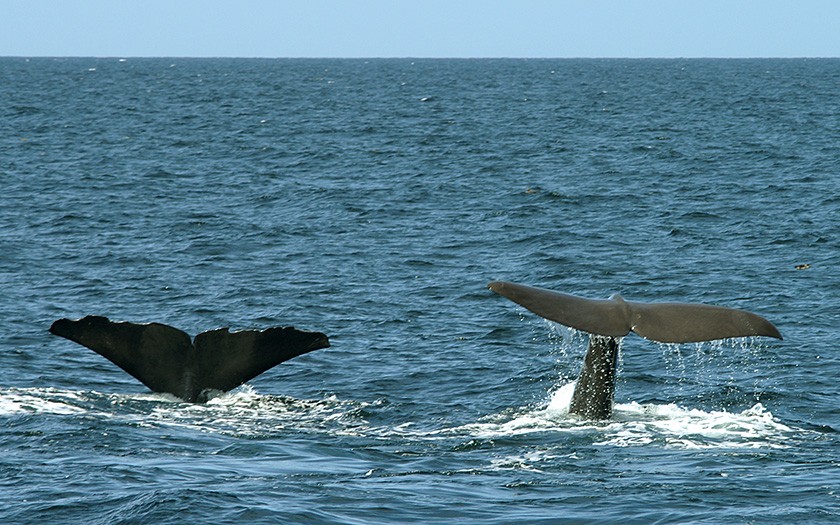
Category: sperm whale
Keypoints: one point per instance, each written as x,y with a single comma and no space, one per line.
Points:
607,320
165,359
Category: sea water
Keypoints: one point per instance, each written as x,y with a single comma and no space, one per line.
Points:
373,200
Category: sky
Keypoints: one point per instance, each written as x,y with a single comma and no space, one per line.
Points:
421,28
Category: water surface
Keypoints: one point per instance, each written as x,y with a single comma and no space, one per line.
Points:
374,200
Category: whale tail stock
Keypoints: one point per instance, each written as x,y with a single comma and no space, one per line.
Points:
615,317
605,320
165,359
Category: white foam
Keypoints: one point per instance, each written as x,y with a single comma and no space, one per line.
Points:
242,412
693,428
38,401
245,412
634,424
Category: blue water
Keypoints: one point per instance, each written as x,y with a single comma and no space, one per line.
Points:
374,200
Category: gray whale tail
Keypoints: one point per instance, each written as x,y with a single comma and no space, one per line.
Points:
606,320
165,359
615,317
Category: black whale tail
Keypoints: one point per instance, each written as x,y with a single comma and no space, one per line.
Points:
165,359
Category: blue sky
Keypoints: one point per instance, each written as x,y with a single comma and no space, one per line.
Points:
429,28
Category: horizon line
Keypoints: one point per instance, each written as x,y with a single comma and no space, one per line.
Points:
422,57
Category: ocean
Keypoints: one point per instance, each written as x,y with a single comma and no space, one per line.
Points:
373,200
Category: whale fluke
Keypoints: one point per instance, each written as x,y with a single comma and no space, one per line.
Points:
615,317
165,359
